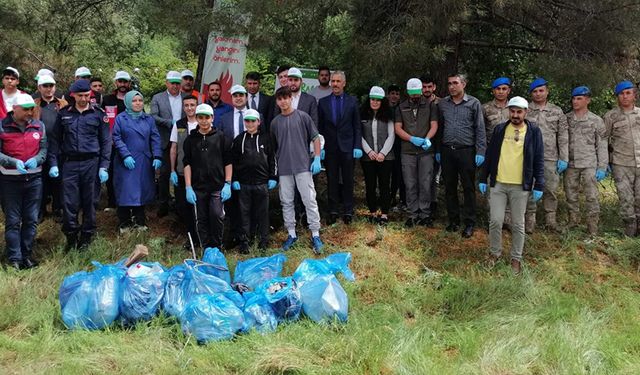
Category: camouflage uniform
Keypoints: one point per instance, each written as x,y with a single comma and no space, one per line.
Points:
587,152
493,115
553,123
623,134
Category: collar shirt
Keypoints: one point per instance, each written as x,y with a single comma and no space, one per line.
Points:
176,106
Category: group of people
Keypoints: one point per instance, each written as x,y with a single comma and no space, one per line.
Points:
223,159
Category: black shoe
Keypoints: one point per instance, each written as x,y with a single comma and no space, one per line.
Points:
347,219
410,223
468,231
28,262
453,227
72,242
434,210
85,241
383,220
231,244
373,220
15,265
332,219
426,222
244,248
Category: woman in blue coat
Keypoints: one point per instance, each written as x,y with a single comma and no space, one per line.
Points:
138,154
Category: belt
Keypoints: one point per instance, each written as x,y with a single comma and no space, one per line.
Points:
80,157
458,147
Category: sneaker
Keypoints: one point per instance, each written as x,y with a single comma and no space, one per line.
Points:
109,209
516,267
286,245
141,228
317,245
383,220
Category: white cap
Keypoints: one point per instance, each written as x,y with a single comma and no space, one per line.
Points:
518,101
204,109
24,101
294,72
121,74
43,72
377,92
252,114
235,89
44,79
13,70
414,86
83,71
174,77
187,73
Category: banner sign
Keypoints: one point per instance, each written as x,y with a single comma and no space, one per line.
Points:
224,62
309,79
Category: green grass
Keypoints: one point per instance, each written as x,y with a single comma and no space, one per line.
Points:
422,304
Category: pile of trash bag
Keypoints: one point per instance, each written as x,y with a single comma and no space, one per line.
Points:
201,296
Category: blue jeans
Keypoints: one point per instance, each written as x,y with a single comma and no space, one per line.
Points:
20,203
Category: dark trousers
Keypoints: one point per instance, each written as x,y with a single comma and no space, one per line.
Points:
209,218
376,177
21,205
79,183
339,164
232,210
253,201
397,182
129,216
111,192
459,165
51,191
185,210
163,180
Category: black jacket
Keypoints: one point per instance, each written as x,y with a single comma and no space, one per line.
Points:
533,157
253,159
207,155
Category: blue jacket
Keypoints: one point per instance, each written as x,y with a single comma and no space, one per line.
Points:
346,135
140,139
533,157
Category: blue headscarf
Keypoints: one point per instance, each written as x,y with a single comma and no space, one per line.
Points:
128,102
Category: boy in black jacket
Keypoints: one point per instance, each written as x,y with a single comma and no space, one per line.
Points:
207,175
253,177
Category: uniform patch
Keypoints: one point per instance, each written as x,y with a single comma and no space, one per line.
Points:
36,135
105,119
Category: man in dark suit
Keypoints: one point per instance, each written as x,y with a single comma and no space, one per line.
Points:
258,100
166,109
339,123
300,100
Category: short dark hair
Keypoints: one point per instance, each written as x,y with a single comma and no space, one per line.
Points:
282,68
255,76
393,87
95,79
323,67
461,76
283,92
427,78
215,83
189,97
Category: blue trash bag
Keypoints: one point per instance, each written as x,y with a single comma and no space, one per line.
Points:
142,291
258,314
202,280
175,291
213,255
331,265
254,272
211,318
90,300
324,300
283,295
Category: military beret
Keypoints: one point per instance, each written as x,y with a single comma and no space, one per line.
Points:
81,85
581,91
537,83
501,81
623,86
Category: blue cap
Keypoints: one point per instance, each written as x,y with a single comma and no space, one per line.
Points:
623,86
501,81
81,85
581,91
537,83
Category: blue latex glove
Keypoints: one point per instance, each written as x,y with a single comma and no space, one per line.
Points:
315,165
103,175
562,166
483,188
54,172
357,153
417,141
479,160
235,185
31,163
156,164
129,162
20,166
537,194
322,154
174,178
272,184
191,195
600,174
225,194
427,144
438,157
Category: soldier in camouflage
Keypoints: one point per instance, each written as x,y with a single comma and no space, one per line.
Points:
622,126
588,159
496,111
553,123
